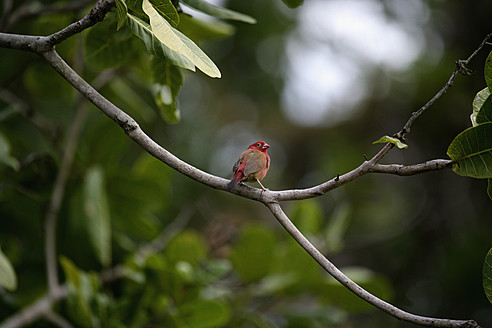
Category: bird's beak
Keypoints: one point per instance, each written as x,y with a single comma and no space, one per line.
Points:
266,146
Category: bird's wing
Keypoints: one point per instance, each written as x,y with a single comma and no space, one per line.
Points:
256,162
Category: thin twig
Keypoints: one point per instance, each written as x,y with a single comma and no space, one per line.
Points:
460,69
353,287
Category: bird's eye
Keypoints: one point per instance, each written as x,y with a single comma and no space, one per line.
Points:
258,144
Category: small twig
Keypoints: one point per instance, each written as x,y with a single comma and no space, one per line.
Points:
460,69
353,287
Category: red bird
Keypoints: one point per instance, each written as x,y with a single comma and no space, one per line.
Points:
252,165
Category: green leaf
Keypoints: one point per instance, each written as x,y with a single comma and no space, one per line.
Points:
336,228
97,214
293,3
218,12
394,141
166,9
252,255
488,71
471,152
487,275
169,81
81,287
5,156
307,215
178,42
201,30
105,48
478,103
155,47
485,113
121,12
8,279
188,246
203,313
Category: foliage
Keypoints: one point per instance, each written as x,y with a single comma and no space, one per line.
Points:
229,267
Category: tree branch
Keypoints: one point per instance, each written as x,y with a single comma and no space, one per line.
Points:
460,69
404,170
352,286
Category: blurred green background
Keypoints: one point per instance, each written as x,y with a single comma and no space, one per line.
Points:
319,83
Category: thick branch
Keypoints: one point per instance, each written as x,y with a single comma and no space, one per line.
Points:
352,286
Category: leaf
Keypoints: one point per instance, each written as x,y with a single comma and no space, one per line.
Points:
5,156
8,279
155,47
168,80
471,152
121,12
167,10
394,141
487,275
97,214
188,246
307,216
293,3
82,288
178,42
105,48
337,226
252,255
478,103
488,71
485,113
201,30
218,12
201,313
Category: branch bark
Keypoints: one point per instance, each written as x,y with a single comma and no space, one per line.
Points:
353,287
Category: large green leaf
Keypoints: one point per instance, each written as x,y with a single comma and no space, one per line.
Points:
482,98
487,275
121,12
8,279
488,71
97,214
217,11
155,47
489,188
166,9
471,152
169,81
188,246
485,113
105,48
201,313
178,42
252,255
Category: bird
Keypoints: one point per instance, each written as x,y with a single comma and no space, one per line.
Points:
252,165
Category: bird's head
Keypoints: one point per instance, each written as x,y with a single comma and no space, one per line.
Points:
260,145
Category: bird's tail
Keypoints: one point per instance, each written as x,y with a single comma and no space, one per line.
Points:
232,184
